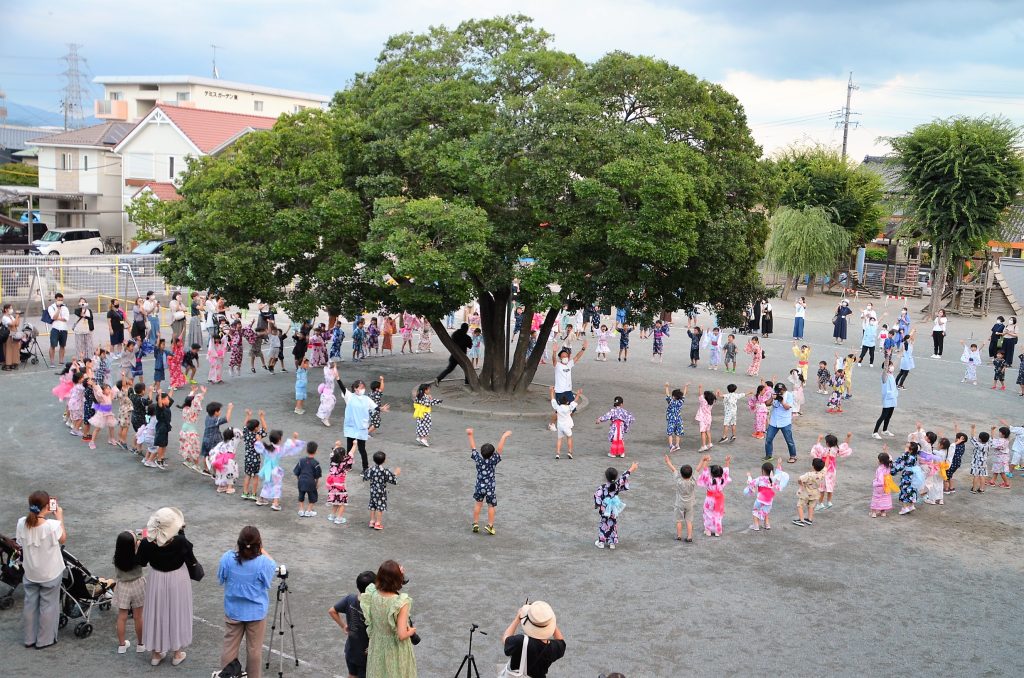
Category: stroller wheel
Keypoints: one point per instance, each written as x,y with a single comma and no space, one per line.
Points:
6,602
35,360
105,605
62,621
83,630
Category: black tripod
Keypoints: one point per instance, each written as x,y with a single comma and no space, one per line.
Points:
280,615
468,661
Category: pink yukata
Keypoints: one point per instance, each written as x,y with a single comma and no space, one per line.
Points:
756,353
189,442
763,488
714,503
830,454
327,397
215,358
880,499
759,406
703,417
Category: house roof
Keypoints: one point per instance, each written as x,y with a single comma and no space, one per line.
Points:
164,191
885,168
208,131
107,134
206,82
16,138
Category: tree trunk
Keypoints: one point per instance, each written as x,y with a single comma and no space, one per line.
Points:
810,285
940,274
787,286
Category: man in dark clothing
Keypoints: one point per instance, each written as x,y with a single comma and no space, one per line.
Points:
354,626
464,343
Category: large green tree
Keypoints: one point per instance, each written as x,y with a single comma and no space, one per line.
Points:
959,176
805,241
479,157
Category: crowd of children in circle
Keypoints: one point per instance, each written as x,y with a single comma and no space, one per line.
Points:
138,416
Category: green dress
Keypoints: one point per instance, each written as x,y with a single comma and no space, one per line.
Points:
388,657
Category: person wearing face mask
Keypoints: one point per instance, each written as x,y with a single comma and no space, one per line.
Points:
152,308
83,329
358,407
115,325
839,322
563,363
59,318
890,395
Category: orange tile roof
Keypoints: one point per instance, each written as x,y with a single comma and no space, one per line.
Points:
161,190
210,130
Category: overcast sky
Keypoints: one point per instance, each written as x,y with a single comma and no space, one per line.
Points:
786,60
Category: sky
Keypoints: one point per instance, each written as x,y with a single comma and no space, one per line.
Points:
787,61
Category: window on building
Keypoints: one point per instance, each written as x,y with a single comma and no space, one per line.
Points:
257,106
66,163
149,88
116,96
85,163
182,96
298,107
170,167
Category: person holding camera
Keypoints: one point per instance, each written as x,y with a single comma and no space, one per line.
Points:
348,614
40,539
9,324
780,419
59,317
167,614
541,644
246,575
386,611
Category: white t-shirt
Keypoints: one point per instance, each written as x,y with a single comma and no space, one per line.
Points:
59,316
940,324
800,311
211,310
40,549
563,376
564,414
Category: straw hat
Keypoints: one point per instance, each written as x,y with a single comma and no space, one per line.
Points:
164,525
538,620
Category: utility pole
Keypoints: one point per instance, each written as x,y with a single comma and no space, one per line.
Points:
216,73
846,113
75,88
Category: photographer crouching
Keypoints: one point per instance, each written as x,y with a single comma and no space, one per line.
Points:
541,644
781,419
246,575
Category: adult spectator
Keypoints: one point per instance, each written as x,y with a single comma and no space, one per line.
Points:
177,308
195,320
767,318
839,322
83,327
10,322
167,616
386,611
115,327
544,642
780,419
890,396
994,343
152,308
246,575
799,315
463,343
40,538
138,320
358,407
59,318
210,306
938,333
563,362
1009,347
348,614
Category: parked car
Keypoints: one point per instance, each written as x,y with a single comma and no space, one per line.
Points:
69,242
924,281
12,235
35,217
153,246
140,258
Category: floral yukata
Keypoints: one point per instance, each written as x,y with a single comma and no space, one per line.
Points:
609,507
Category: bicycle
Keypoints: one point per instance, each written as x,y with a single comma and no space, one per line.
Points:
112,245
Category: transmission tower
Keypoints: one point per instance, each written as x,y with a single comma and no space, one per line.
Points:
75,87
843,115
3,108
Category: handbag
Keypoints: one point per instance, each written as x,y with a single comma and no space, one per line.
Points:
45,317
507,672
195,570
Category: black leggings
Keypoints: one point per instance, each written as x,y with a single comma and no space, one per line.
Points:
362,450
901,378
883,418
452,364
937,339
864,350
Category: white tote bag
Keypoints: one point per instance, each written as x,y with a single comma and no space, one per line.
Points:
507,672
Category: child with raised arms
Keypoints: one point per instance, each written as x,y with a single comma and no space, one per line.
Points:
714,478
686,497
881,498
609,506
830,453
621,419
703,416
674,415
486,459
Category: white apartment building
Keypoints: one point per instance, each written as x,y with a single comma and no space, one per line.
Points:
131,97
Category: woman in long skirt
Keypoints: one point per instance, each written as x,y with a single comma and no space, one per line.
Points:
195,321
167,615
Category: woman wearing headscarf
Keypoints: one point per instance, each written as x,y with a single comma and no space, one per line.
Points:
167,616
40,539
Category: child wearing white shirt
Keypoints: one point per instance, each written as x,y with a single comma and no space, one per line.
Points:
563,415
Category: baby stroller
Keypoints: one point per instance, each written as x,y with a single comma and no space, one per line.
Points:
80,593
27,339
11,572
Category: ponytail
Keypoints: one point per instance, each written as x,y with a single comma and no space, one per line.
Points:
250,544
38,501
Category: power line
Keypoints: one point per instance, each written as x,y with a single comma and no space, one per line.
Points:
845,113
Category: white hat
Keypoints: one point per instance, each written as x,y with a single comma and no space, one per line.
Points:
538,620
164,525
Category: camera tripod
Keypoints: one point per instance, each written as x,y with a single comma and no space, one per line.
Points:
280,615
469,661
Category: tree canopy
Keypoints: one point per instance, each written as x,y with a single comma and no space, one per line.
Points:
806,241
959,176
473,157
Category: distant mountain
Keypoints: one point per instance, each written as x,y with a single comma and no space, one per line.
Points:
33,116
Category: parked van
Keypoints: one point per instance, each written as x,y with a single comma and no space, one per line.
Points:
69,242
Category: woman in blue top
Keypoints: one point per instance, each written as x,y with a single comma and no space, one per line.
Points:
358,407
890,394
246,575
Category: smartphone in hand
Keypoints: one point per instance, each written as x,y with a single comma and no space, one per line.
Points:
53,504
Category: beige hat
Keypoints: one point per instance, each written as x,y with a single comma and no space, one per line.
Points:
538,620
164,525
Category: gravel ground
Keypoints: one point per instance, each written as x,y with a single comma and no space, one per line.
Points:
850,595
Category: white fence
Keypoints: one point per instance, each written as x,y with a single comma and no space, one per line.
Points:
27,280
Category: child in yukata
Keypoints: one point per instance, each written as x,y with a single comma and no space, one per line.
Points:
379,477
621,419
802,353
763,488
830,453
881,499
753,347
971,358
609,506
674,400
603,336
713,479
808,492
486,459
271,473
658,344
222,461
714,341
337,492
824,378
835,400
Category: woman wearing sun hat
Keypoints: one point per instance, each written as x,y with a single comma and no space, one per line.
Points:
167,615
544,642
